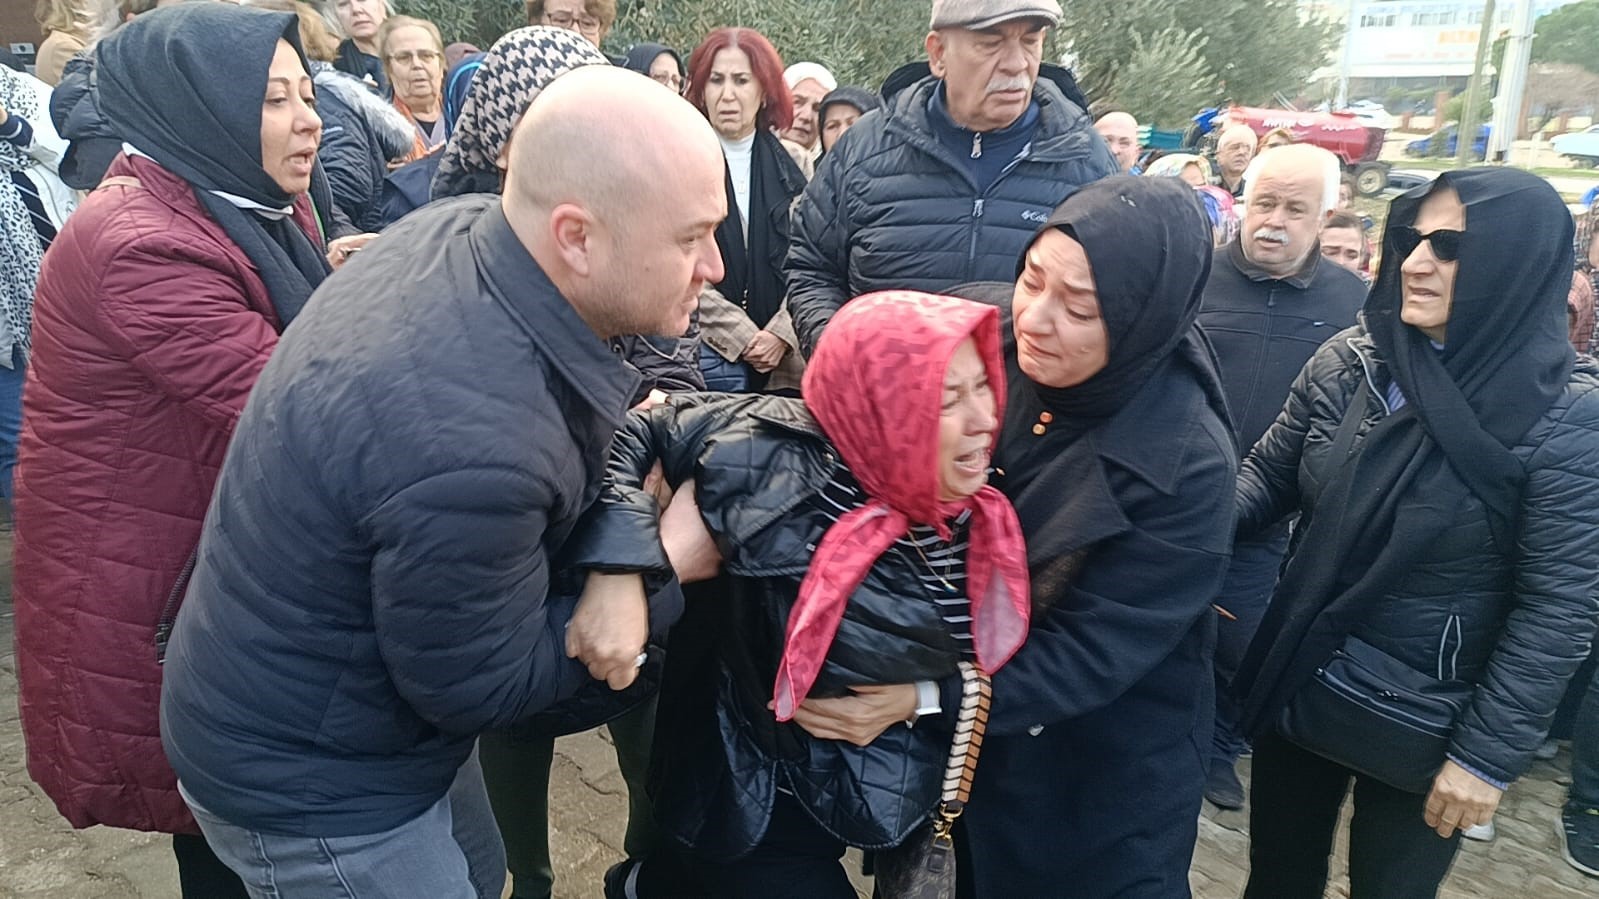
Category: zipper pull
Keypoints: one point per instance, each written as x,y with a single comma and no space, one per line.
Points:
977,208
977,145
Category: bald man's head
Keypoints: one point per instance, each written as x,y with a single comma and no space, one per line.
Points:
1120,131
623,227
1234,148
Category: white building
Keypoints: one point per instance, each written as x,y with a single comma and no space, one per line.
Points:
1413,41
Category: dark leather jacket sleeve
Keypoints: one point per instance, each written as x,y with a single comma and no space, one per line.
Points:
1268,479
621,531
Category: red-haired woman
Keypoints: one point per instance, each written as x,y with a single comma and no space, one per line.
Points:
736,79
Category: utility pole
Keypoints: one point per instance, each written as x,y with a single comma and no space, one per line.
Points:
1347,61
1466,131
1512,84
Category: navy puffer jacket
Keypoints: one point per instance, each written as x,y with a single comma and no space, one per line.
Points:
360,134
1517,628
892,208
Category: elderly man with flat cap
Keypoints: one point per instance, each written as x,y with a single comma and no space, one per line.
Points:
376,582
949,181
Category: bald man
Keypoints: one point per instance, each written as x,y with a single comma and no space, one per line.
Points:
374,586
1120,131
1271,300
1235,147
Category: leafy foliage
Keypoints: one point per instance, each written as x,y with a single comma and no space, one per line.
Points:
1251,51
1160,59
1166,79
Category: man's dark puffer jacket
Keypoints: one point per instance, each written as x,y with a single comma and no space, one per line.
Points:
758,461
1517,628
892,208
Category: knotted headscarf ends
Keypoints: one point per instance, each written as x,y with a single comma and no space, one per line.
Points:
875,385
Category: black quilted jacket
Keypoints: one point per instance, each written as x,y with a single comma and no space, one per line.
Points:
892,208
1516,627
758,461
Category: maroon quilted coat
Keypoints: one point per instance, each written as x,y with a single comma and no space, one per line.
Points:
150,327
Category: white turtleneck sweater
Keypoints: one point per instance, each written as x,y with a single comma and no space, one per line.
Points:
738,153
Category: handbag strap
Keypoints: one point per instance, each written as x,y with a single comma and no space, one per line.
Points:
970,723
1344,440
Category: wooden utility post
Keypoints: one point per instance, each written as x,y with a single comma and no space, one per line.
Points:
1466,131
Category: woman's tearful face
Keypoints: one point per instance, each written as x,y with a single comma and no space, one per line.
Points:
966,425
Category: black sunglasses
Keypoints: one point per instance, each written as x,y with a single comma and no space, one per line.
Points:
1445,243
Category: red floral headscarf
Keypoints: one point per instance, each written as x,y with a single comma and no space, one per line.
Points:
876,384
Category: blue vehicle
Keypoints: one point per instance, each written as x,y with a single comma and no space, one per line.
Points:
1449,136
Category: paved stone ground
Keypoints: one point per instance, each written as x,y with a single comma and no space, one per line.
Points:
42,858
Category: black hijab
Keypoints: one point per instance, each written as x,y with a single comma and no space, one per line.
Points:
1149,246
185,85
1506,359
641,56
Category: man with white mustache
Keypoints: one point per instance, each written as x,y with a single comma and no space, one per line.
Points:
1270,302
949,181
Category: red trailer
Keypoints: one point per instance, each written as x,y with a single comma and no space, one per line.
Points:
1356,145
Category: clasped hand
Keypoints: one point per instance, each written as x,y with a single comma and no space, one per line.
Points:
860,717
609,627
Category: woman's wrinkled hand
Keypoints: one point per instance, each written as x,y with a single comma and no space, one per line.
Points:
689,545
609,627
1460,799
860,717
765,351
340,250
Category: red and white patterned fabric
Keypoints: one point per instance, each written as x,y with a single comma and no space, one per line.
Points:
875,384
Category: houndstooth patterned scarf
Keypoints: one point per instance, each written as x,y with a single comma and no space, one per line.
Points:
20,252
517,67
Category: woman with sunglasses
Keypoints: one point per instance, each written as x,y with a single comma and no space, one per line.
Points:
1439,592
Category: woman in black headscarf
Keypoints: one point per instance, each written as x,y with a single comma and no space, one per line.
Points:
156,309
1439,592
1118,456
660,62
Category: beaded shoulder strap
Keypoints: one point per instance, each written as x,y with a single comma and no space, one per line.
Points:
969,726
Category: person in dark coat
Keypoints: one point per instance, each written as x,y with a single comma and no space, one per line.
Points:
949,182
1441,458
75,110
1270,302
841,109
374,584
863,553
360,21
736,80
159,305
1119,457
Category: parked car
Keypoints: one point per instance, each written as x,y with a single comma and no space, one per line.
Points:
1583,146
1448,137
1356,144
1372,114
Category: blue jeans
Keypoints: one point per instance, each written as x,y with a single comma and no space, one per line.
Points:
10,418
450,851
1245,592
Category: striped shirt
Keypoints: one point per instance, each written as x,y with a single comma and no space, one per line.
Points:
941,566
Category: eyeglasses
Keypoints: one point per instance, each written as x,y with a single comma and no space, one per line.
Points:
673,81
1445,243
407,57
585,24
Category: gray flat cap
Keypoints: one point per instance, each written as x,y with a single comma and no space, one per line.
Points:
979,14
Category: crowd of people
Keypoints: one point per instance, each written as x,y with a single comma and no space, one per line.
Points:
920,468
